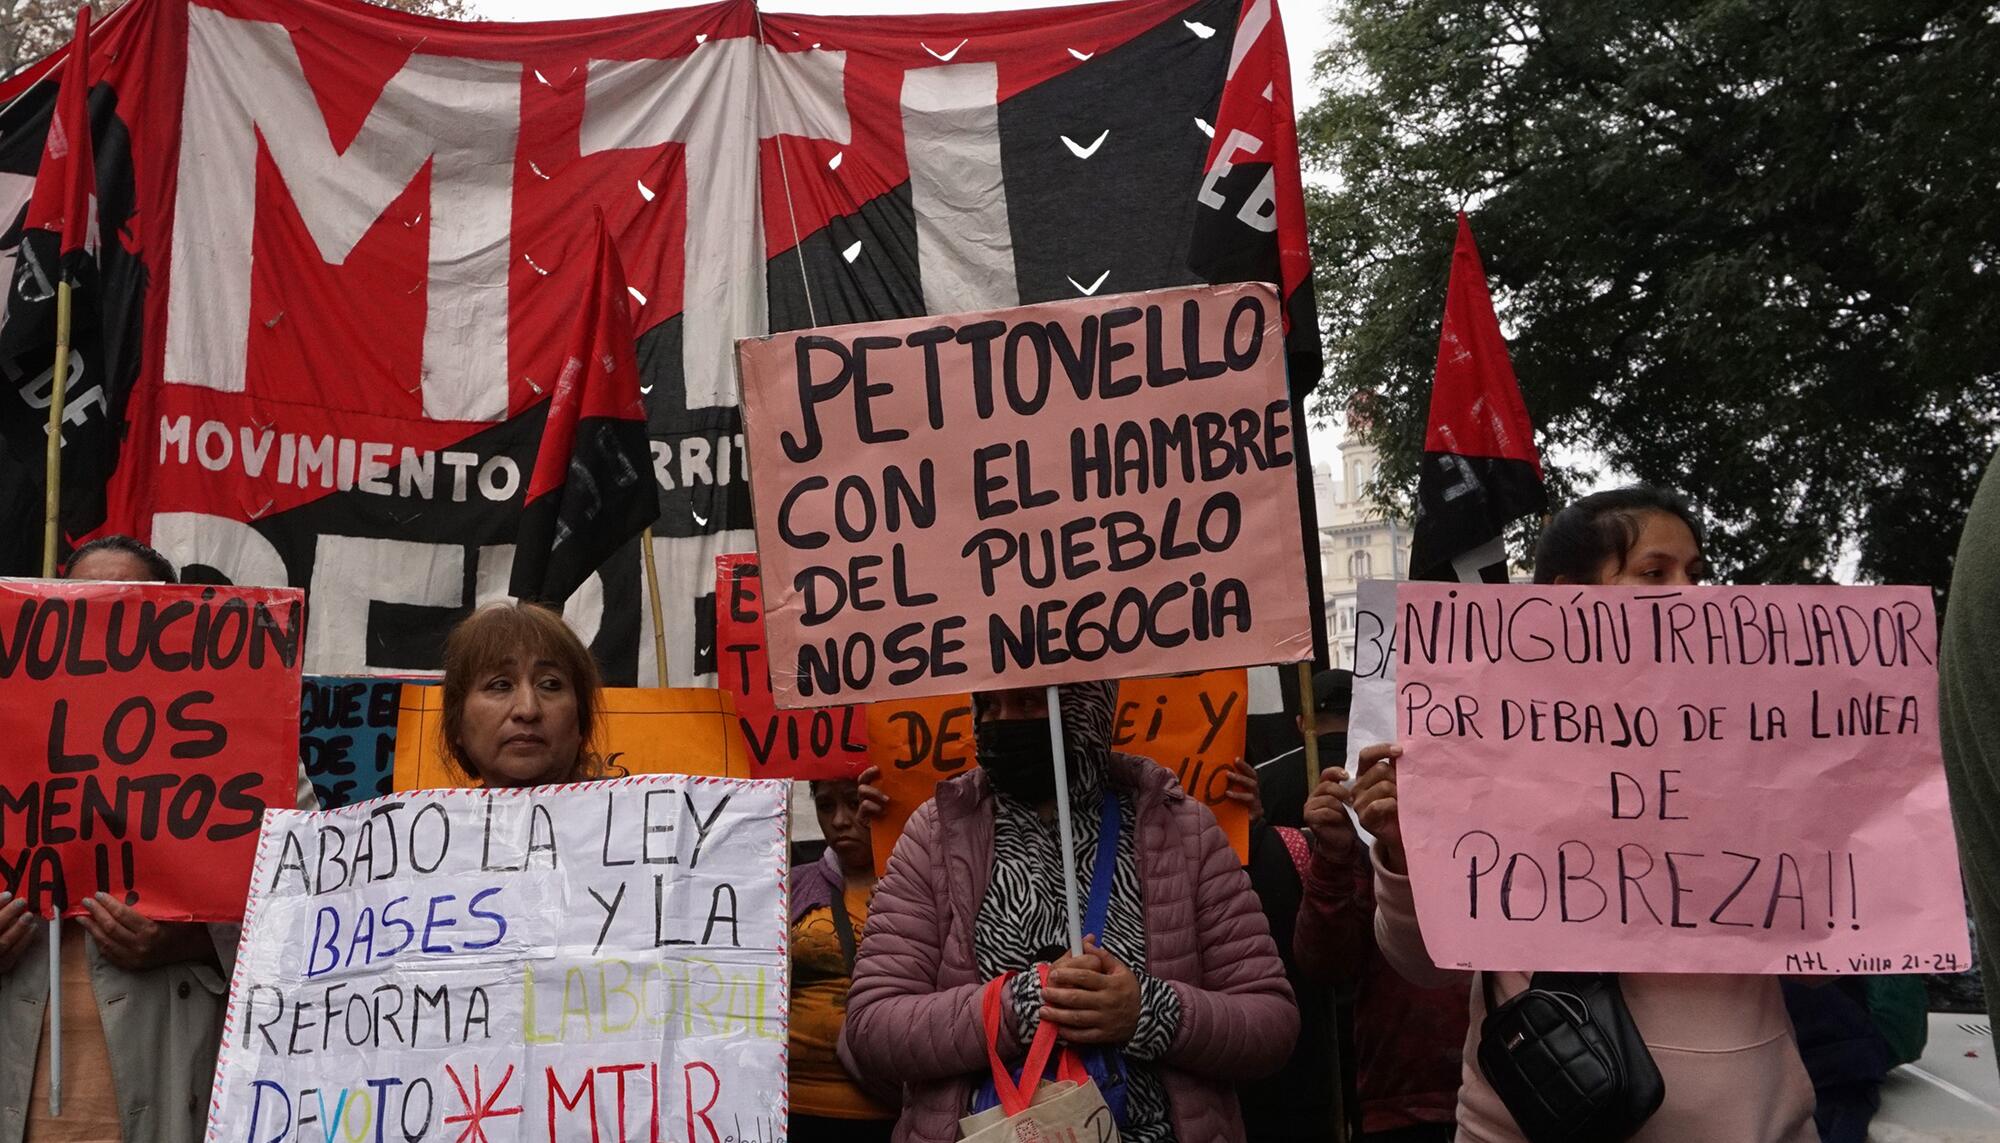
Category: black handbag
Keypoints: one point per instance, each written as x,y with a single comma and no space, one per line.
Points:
1567,1060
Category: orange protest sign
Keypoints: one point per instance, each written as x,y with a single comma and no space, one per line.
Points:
679,730
1192,724
915,744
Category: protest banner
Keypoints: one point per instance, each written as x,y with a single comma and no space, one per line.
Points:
827,742
347,736
1193,725
1718,779
239,454
646,730
1077,490
602,960
153,723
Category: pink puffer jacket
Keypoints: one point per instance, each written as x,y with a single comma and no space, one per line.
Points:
913,1013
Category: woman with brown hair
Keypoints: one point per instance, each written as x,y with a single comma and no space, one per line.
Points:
522,699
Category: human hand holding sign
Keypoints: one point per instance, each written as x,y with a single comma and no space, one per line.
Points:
1091,997
134,942
873,800
17,930
1375,801
1326,815
1244,790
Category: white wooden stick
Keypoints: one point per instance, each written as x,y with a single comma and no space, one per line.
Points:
1064,828
55,1015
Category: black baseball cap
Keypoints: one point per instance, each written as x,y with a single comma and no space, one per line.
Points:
1333,690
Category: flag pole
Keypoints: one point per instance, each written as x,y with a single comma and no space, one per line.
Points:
1064,827
1307,724
653,596
58,397
55,1013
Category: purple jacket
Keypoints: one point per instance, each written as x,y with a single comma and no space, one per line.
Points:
817,884
913,1014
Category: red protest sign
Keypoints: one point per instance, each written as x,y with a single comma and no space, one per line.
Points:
151,725
831,742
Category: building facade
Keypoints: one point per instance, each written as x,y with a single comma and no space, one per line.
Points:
1357,540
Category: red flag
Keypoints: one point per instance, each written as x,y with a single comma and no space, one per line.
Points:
592,486
1250,225
1481,468
67,180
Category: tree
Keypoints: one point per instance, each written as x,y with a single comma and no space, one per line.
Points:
1746,250
31,29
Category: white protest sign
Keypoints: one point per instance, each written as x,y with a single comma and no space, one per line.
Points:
1371,710
596,961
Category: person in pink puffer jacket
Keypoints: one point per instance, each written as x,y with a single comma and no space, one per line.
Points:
1185,982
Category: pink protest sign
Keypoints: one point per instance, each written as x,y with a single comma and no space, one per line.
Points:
1080,490
1709,779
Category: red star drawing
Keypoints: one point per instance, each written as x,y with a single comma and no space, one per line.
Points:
479,1106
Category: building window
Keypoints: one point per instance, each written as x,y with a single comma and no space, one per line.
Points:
1343,620
1358,566
1357,541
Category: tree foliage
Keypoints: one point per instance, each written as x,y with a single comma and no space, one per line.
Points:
31,29
1742,248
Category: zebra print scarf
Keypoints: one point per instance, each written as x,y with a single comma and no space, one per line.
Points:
1022,920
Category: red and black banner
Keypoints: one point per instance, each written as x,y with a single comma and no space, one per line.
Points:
1481,468
335,281
956,163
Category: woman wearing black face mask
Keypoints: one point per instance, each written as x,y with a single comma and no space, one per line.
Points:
1179,994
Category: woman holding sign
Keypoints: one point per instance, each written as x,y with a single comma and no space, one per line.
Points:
1179,990
522,698
1723,1044
140,1000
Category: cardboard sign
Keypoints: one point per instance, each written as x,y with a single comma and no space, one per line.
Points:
347,737
150,725
1720,779
676,730
828,742
568,962
1194,725
1056,493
